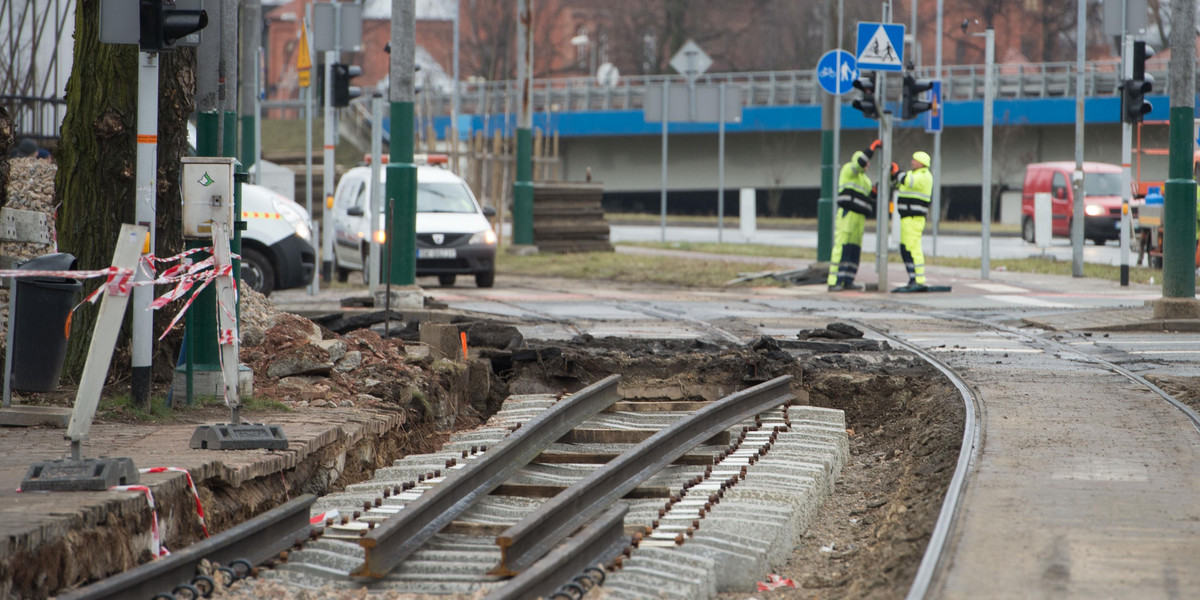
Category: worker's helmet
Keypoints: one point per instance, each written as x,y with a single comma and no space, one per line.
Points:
921,157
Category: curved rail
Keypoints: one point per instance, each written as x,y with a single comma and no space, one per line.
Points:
541,530
968,455
1192,415
934,558
398,537
255,540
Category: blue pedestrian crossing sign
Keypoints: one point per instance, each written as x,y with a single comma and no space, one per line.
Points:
933,118
836,72
880,46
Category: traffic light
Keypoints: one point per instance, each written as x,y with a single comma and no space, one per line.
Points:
911,103
866,102
343,92
161,24
1134,105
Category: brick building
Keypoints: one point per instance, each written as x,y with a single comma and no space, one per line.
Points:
573,37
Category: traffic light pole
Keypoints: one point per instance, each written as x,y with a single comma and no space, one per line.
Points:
328,175
145,215
884,198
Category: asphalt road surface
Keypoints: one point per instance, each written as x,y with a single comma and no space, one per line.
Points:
964,246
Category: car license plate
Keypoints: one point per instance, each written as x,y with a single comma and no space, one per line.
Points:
437,253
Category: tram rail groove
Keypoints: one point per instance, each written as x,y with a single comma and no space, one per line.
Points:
387,545
598,542
1192,415
968,456
541,530
256,540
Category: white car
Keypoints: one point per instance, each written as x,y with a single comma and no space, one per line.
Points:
453,234
277,251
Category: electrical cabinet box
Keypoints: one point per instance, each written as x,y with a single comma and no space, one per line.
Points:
207,187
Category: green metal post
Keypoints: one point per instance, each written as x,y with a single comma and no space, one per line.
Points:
523,189
1179,211
825,203
523,182
402,197
249,142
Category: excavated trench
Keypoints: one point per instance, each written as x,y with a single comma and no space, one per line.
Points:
904,422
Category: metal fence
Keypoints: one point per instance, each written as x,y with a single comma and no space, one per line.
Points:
788,88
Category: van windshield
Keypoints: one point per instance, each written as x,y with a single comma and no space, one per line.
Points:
450,197
1102,184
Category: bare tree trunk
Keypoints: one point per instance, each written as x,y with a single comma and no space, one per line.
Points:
6,142
97,158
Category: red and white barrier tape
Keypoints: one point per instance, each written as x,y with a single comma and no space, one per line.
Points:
195,494
120,282
325,516
156,547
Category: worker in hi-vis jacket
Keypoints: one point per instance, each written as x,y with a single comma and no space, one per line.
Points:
914,192
855,203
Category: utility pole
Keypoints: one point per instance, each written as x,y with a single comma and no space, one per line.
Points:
523,184
1179,212
145,215
314,286
1077,179
401,172
989,97
251,42
936,207
825,204
328,174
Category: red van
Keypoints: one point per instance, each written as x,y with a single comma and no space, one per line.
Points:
1101,199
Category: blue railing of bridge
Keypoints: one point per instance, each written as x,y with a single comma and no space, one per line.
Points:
1026,94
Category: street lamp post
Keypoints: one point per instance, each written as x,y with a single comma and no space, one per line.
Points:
989,96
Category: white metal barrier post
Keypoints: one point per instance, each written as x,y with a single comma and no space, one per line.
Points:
75,472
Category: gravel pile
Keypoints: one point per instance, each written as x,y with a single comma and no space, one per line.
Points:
30,187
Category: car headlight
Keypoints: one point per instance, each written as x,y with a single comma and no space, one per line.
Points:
292,217
1093,210
487,236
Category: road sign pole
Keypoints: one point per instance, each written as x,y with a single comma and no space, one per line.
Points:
665,119
989,94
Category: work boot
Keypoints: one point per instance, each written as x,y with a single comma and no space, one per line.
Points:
851,286
837,287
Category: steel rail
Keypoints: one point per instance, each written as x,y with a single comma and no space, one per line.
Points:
535,535
598,542
968,456
1192,415
934,558
255,540
402,534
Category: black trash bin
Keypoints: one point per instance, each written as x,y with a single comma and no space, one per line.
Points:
38,322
